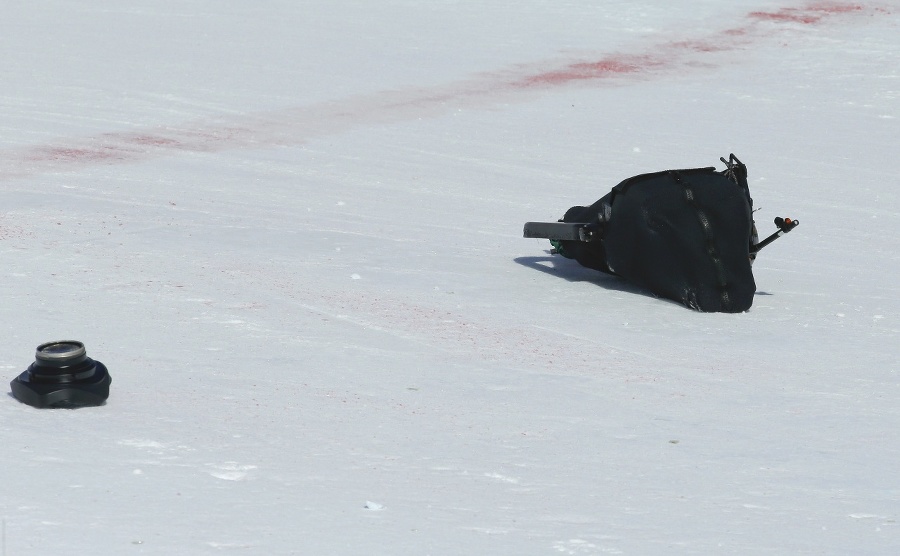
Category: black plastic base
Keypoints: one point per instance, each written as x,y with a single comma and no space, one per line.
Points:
88,391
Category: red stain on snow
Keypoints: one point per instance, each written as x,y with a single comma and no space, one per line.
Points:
583,71
808,15
671,55
702,46
73,154
736,32
297,125
154,141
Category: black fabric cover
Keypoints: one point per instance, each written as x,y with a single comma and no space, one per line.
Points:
682,234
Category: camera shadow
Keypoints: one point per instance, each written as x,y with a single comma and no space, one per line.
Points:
571,271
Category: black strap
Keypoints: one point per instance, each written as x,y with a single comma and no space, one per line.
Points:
721,279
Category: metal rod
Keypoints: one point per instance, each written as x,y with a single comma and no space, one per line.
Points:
785,225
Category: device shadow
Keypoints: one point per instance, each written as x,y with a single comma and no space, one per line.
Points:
571,271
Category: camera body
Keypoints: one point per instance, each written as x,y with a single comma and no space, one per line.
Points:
62,376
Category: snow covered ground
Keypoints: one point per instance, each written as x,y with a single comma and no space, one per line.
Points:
292,232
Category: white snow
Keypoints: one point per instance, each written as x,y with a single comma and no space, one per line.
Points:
292,232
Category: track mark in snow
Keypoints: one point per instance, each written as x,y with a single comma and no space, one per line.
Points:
467,334
8,231
154,447
228,546
490,340
229,471
487,531
884,518
583,340
298,125
579,546
502,478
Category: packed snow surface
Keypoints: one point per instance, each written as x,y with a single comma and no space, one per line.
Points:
292,232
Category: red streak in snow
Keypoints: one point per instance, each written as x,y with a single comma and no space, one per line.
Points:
702,46
154,141
605,68
297,125
72,154
808,15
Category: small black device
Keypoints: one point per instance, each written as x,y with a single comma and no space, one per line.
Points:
62,376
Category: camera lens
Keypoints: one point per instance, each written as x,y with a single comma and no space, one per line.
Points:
55,354
62,375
